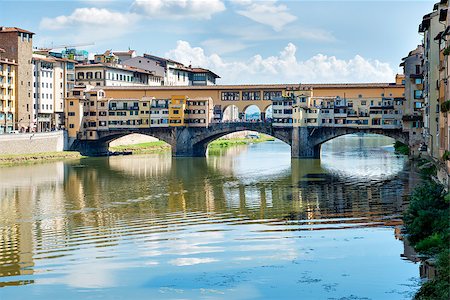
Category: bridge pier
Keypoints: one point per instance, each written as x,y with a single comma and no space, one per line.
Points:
302,146
91,148
183,145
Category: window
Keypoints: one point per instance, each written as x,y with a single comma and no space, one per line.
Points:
71,126
230,96
418,94
251,95
89,75
176,111
71,114
80,75
271,95
71,103
98,75
418,81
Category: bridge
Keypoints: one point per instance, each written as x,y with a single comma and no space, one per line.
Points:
305,142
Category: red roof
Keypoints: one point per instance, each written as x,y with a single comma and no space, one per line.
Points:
14,29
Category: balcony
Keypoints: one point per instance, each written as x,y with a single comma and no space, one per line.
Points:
412,118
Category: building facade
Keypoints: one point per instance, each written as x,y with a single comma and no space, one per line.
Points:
101,74
348,105
18,46
413,106
43,93
174,73
7,93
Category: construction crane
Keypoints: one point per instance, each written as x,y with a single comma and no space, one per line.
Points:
67,46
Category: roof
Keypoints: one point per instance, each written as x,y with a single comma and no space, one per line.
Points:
149,56
261,86
201,70
14,29
124,52
47,59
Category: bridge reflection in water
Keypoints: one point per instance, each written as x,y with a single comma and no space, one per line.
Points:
54,212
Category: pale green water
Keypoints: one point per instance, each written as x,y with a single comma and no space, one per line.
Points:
248,224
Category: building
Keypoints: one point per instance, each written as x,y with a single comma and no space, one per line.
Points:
377,105
413,105
7,93
90,111
108,57
43,92
104,74
159,113
124,55
53,79
18,46
174,73
430,27
177,110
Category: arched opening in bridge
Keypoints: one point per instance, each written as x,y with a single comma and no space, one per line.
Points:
138,143
268,114
230,114
235,143
362,155
357,144
252,113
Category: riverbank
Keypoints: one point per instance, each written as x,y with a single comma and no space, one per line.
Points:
427,225
160,146
20,159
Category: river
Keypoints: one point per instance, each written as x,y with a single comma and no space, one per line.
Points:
246,223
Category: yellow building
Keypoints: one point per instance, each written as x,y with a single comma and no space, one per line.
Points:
177,107
7,93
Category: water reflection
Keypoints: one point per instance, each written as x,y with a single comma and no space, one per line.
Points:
221,227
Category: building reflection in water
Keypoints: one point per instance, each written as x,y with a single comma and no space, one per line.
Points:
48,208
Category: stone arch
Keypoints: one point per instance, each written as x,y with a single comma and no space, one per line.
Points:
256,110
100,146
307,141
268,113
200,142
325,134
230,113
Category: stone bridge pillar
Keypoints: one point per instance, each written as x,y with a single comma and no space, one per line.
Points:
183,145
91,148
302,145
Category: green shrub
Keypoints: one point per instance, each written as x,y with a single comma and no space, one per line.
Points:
426,215
445,106
447,51
446,155
401,148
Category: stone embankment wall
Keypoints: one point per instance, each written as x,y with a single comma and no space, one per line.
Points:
28,143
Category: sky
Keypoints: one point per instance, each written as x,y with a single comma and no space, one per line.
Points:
243,41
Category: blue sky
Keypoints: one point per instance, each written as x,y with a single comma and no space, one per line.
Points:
244,41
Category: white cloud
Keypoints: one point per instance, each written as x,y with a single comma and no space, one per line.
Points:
285,67
88,25
89,17
267,12
178,9
223,46
258,33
